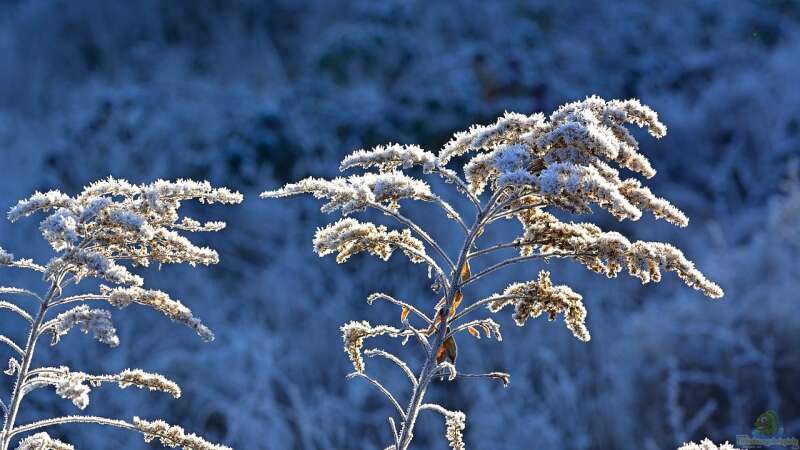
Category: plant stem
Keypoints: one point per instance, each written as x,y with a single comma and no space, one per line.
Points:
430,365
25,364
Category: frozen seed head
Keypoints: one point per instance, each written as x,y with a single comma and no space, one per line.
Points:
574,187
142,379
534,298
641,197
609,252
388,158
39,201
113,220
42,441
71,387
507,129
173,436
455,422
76,386
94,321
353,335
160,301
348,237
357,192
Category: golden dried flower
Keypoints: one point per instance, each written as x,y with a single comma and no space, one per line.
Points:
356,192
142,379
535,298
173,436
388,158
348,236
42,441
160,301
353,335
455,421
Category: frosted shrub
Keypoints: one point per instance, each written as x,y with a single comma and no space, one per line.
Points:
525,167
110,222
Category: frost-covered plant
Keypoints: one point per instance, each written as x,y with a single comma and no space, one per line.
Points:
531,165
110,222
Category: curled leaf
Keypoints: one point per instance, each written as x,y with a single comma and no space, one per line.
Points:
457,298
502,376
448,351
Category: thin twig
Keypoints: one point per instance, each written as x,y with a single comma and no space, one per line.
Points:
479,303
416,228
503,214
12,307
380,387
41,370
497,247
378,352
389,298
6,340
501,376
452,213
19,291
79,298
453,177
483,323
72,419
430,262
434,407
395,436
516,260
422,340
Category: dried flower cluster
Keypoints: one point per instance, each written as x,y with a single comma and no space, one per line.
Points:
354,333
161,302
173,436
455,421
607,252
349,236
96,321
103,232
42,441
526,166
533,298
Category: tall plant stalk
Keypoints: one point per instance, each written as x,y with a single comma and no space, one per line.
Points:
22,373
530,164
426,374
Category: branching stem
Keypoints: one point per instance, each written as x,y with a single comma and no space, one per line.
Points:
417,229
430,365
25,364
381,388
389,298
516,260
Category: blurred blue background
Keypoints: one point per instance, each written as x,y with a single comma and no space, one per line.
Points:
251,94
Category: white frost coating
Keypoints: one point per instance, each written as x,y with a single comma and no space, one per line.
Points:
391,157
